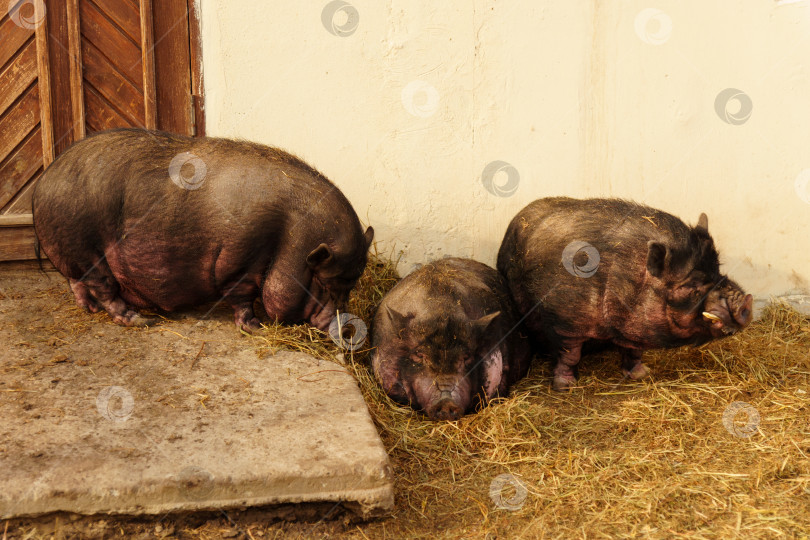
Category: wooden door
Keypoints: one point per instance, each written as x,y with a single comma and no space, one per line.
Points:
69,68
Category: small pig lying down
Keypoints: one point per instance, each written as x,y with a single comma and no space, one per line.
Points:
447,339
618,272
144,219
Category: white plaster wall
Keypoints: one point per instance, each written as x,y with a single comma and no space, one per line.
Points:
581,97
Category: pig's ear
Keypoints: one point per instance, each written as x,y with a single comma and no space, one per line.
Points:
319,256
656,258
399,320
703,222
482,325
368,236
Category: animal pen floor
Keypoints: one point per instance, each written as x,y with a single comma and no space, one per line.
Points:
613,458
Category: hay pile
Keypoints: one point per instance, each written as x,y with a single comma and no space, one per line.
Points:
612,458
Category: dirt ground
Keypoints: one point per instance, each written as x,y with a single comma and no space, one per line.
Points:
659,458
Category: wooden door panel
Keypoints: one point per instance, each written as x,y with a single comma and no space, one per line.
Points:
21,205
125,15
26,136
17,241
88,65
118,92
122,51
21,151
18,75
172,64
20,120
14,37
100,114
20,167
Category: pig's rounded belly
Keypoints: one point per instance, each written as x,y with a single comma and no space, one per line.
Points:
167,295
159,280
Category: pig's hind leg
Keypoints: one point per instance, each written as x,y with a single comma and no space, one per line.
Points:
631,364
97,289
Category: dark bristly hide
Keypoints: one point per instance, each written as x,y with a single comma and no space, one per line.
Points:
144,219
447,339
614,271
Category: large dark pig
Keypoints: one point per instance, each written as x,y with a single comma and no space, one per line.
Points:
619,272
144,219
447,339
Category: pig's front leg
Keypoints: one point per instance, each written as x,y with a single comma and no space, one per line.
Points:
240,295
631,364
565,371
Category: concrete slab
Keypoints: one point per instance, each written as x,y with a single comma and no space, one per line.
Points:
227,430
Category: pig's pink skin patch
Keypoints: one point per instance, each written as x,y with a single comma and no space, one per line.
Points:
493,369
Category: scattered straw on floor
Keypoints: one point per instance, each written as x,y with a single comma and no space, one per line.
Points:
662,458
612,458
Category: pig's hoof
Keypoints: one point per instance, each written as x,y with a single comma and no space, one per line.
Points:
563,382
133,318
250,326
89,305
639,371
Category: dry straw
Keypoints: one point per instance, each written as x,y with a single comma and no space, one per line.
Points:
614,457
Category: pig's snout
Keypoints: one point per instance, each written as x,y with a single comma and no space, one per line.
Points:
448,397
445,409
744,312
728,315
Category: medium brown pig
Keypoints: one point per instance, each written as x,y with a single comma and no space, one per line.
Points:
447,339
614,271
144,219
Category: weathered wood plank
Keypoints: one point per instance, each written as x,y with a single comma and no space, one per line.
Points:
12,37
21,205
104,77
20,167
20,119
16,220
17,243
195,40
148,58
44,84
116,46
124,14
75,69
173,67
99,114
18,76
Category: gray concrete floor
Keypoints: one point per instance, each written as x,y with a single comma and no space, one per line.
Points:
95,417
